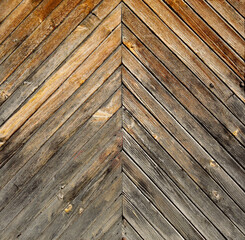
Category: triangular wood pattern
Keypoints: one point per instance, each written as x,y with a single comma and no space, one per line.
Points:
122,119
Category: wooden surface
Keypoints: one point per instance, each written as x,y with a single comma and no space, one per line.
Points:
122,119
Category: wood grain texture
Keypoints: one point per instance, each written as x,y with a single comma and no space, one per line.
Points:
122,119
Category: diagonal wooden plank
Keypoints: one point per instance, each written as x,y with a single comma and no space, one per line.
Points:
217,44
238,5
79,34
148,210
181,50
7,7
201,136
50,132
224,137
122,119
83,202
129,232
159,155
28,26
100,206
141,225
8,128
68,170
42,156
25,132
88,193
230,14
171,125
220,26
16,17
187,163
159,199
115,232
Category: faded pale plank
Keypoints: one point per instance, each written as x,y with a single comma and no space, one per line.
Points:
122,119
186,161
38,160
164,205
75,80
181,50
149,211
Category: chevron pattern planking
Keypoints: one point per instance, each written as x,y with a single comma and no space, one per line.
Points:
122,119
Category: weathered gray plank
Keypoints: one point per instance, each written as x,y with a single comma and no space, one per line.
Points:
156,196
25,196
129,233
96,230
115,232
149,211
69,173
170,188
92,189
135,218
186,161
198,135
101,206
160,156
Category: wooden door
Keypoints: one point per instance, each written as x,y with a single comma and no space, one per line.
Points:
122,119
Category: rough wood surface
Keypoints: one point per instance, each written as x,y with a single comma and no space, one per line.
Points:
122,119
